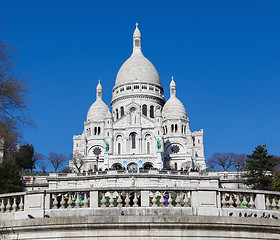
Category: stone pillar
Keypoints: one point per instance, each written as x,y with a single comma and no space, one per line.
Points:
260,201
34,204
145,199
106,161
159,160
93,196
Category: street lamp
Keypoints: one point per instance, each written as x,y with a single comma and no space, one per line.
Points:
237,168
97,152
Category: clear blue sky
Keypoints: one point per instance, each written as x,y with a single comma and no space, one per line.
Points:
224,56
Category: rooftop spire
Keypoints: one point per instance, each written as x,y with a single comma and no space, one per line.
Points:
136,38
99,90
172,88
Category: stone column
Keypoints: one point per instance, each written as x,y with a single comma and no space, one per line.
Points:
145,199
93,196
260,201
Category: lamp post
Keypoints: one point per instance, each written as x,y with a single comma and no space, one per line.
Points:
97,152
237,168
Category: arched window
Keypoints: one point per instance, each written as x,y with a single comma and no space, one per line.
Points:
176,166
98,130
148,148
185,129
122,111
95,130
152,115
117,113
182,128
172,127
144,110
119,148
176,127
165,129
133,140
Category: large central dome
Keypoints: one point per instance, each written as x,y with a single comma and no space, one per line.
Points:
137,68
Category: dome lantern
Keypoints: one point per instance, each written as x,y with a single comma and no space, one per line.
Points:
172,88
136,39
99,90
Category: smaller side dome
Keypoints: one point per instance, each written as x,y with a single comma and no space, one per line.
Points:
98,110
173,108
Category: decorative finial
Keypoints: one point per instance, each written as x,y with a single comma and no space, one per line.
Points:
98,80
172,78
136,24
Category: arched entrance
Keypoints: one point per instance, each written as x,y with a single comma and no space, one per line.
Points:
117,166
148,166
132,166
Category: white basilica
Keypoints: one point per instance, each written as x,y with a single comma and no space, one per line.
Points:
143,131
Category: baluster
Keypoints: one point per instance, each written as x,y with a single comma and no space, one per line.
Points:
273,205
135,200
170,200
178,200
8,206
78,201
119,201
252,203
14,205
62,202
2,205
55,202
69,200
161,200
230,200
127,200
86,200
245,202
186,200
103,200
154,200
224,201
267,203
21,204
237,202
111,199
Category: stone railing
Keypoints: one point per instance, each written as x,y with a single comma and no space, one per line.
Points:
120,197
141,171
12,202
192,201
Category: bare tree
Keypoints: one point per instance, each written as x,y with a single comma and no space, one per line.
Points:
40,161
56,159
43,164
224,160
13,101
78,161
240,161
211,164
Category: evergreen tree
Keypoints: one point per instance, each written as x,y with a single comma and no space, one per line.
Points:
25,157
259,169
10,178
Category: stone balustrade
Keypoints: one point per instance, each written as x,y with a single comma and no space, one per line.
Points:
196,201
12,202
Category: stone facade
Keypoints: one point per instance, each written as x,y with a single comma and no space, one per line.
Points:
143,131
